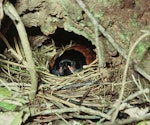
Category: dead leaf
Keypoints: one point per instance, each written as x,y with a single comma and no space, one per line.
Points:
136,112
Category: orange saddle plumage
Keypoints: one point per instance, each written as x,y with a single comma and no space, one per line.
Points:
72,60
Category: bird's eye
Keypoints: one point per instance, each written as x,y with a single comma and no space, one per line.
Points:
61,64
73,63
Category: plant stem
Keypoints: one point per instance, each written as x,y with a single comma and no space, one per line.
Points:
10,10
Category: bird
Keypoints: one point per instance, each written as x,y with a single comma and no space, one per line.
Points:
72,60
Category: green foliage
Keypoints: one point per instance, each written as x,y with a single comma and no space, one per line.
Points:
98,123
143,123
18,119
6,106
141,49
4,92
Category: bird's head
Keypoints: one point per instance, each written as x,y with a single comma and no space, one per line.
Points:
66,67
72,60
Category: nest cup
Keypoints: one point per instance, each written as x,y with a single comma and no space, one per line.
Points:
45,53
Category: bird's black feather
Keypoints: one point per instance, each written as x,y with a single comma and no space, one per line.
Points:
71,58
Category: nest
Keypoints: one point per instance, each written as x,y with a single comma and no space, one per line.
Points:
82,95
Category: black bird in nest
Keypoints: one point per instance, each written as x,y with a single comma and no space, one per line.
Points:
72,60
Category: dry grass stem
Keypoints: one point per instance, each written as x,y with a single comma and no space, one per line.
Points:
12,13
99,45
125,74
88,94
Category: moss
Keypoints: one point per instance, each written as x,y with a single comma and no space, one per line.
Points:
108,3
134,22
141,49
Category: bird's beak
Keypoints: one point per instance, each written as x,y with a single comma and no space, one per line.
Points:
60,70
71,69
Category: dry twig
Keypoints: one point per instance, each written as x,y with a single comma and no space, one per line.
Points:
140,87
125,74
128,121
74,108
103,31
99,45
12,13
